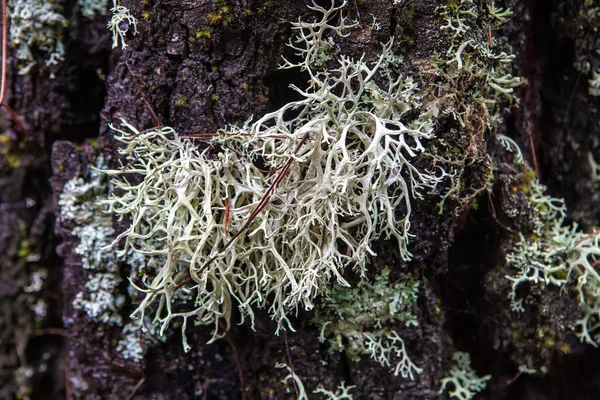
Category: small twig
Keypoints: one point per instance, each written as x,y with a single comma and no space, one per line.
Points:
209,135
226,219
236,357
4,48
586,237
136,388
492,211
50,331
68,391
513,379
155,120
532,146
289,360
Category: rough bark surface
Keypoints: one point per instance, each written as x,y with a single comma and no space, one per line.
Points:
196,83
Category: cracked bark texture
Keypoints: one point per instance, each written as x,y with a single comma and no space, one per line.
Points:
199,84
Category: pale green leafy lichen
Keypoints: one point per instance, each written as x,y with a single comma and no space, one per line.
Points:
102,300
358,321
37,26
340,162
130,345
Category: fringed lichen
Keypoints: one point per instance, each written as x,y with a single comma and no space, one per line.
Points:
273,211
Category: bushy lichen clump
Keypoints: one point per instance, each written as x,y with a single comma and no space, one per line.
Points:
359,320
37,26
276,209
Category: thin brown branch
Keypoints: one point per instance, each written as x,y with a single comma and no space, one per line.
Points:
492,211
15,117
533,152
155,120
586,237
209,135
50,331
4,48
136,388
238,363
68,390
289,360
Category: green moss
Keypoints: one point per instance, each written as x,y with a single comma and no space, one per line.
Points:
203,33
471,83
23,249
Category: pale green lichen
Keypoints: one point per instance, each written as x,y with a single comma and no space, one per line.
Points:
130,345
342,392
594,167
389,350
297,386
594,83
37,26
463,378
471,58
342,176
558,254
358,321
511,146
102,300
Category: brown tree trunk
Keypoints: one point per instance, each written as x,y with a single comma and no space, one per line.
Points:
201,65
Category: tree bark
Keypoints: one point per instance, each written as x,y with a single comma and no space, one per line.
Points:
199,76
